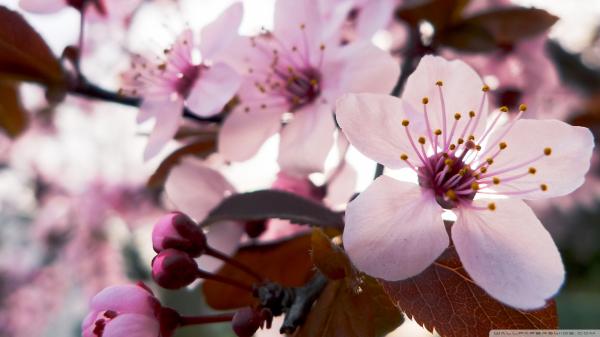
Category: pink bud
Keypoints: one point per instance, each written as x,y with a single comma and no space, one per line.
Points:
246,321
176,230
174,269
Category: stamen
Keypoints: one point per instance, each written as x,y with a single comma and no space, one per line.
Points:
443,108
429,133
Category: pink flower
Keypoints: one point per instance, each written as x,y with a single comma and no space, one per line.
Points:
294,74
128,311
440,129
114,9
204,86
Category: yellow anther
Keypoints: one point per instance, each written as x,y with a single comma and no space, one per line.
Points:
490,160
421,140
462,172
448,162
532,170
322,47
471,113
425,100
504,109
496,180
404,156
475,186
478,147
451,195
471,137
405,122
492,206
502,145
457,116
439,83
483,169
548,151
452,147
523,107
445,155
544,187
302,26
485,88
460,141
437,132
162,66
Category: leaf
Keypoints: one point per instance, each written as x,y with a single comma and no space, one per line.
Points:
503,27
269,204
200,148
286,262
13,117
347,310
439,13
328,257
23,53
444,298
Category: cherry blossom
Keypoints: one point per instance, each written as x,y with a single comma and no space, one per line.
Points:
96,9
293,75
471,163
204,86
128,310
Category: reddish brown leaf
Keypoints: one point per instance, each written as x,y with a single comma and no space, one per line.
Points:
439,13
347,309
13,118
199,148
328,257
286,262
444,298
23,53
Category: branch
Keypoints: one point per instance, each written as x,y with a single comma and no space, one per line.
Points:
304,298
86,89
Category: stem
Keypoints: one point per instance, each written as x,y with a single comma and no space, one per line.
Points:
227,259
412,54
304,297
86,89
225,280
197,320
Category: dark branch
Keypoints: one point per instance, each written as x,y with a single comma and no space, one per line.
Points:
86,89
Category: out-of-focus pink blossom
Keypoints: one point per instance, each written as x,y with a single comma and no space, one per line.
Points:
190,77
465,161
127,311
301,68
96,9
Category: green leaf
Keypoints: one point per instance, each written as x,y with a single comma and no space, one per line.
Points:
23,53
347,308
270,204
13,117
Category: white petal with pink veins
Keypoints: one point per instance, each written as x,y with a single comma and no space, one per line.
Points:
461,89
219,34
42,6
126,298
244,132
562,171
167,113
307,140
213,89
290,16
196,189
373,124
509,253
132,325
394,230
366,68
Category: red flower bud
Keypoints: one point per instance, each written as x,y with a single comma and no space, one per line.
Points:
176,230
246,321
174,269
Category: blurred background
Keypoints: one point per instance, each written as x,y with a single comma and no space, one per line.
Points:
76,213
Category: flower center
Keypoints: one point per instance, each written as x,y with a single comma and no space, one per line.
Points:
186,79
447,176
302,87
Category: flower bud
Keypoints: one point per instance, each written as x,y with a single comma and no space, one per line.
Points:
174,269
176,230
246,321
